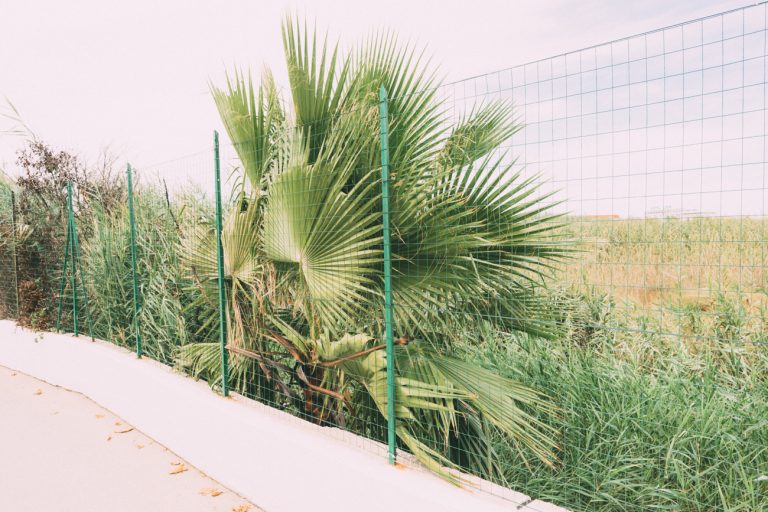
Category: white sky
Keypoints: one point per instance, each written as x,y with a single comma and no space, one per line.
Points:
86,74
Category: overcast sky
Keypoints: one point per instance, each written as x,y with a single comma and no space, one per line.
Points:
133,77
86,74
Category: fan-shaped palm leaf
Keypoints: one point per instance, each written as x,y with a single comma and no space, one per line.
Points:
252,121
318,86
329,234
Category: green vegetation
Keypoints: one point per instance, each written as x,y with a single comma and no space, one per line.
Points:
40,213
303,255
165,290
660,374
647,422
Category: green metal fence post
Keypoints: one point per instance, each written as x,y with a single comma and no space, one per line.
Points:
79,268
73,282
15,250
220,265
64,266
384,123
136,304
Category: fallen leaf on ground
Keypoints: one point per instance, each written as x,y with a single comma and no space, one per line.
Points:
109,438
242,508
211,491
175,463
139,446
178,469
117,423
124,431
99,416
38,391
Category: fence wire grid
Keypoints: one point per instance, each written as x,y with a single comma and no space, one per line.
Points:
550,278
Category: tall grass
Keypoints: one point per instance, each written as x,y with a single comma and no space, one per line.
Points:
666,429
166,322
8,305
661,370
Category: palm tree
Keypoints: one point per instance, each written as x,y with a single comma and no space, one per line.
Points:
472,243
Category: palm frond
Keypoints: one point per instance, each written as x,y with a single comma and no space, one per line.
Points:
240,243
252,120
318,83
482,130
327,232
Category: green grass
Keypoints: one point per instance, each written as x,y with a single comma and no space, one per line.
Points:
661,374
646,423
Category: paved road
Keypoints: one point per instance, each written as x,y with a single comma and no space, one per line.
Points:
60,452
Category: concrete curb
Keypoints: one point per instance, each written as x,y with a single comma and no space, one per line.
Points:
275,460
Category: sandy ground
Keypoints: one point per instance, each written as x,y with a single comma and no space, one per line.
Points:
61,452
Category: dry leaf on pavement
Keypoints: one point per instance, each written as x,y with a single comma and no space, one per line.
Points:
178,469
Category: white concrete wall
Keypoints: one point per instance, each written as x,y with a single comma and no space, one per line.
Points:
277,461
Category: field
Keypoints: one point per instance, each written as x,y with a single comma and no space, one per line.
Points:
683,261
698,285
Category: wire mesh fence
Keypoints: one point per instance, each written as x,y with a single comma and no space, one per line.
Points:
32,253
653,148
551,277
9,302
